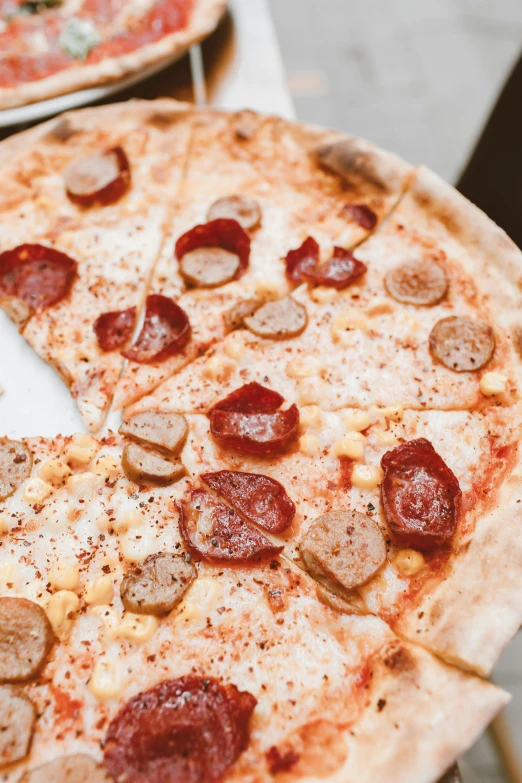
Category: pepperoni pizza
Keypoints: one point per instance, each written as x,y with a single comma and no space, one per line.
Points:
52,47
305,538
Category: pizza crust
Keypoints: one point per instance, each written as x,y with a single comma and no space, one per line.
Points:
476,610
433,711
203,21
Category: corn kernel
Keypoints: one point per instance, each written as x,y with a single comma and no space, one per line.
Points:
82,449
408,562
54,471
269,289
138,627
356,421
64,577
379,305
306,367
107,680
384,437
323,295
309,445
233,348
61,611
199,601
9,576
127,519
103,522
101,591
106,467
348,321
82,484
36,491
310,416
391,412
219,368
352,445
366,476
493,383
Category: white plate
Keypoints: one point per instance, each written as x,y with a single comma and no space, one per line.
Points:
52,106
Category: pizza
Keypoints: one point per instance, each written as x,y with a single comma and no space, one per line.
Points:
304,539
52,47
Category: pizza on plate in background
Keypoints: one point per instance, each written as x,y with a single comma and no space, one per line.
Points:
301,554
52,47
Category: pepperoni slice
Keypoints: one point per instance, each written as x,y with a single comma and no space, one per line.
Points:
362,214
165,331
189,730
222,233
114,330
259,498
420,495
102,178
421,282
249,422
214,531
37,275
340,271
303,258
343,269
245,210
462,344
251,398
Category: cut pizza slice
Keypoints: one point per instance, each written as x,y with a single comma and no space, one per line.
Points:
422,315
141,661
254,187
85,211
417,559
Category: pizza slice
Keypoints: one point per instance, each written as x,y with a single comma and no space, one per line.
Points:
254,187
96,190
422,315
133,659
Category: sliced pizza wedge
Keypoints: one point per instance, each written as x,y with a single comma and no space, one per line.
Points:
254,188
406,500
86,209
422,314
146,644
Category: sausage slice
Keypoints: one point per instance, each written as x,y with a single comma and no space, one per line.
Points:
421,282
234,317
343,547
245,210
352,604
78,768
278,320
26,638
15,465
17,717
208,267
462,344
158,585
167,432
148,467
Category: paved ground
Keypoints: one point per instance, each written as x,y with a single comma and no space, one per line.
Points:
419,78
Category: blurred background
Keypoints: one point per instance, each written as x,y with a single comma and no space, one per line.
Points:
419,77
